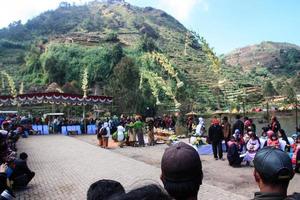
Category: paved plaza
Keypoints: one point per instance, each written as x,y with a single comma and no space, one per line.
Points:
66,166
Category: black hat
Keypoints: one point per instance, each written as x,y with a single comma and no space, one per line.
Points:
180,163
273,164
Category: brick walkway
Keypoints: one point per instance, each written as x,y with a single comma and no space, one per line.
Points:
65,167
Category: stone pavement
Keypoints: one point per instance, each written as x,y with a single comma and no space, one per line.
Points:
65,167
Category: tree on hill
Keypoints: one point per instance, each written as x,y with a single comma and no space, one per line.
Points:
124,85
296,83
269,90
289,92
147,44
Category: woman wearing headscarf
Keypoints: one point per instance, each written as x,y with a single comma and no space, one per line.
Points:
200,129
282,135
252,147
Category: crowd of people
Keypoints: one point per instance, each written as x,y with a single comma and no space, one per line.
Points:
130,131
14,172
275,156
242,142
182,176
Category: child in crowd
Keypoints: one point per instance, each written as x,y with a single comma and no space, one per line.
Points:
273,141
296,154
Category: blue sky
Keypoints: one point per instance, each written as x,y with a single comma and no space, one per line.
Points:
226,24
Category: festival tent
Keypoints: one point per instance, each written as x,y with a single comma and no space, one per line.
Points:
53,98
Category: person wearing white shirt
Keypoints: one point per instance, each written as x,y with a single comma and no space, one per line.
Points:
121,135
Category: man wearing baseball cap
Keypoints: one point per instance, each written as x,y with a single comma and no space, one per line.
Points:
273,171
181,171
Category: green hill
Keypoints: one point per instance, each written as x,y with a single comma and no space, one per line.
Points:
114,39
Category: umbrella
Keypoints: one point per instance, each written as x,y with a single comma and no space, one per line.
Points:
218,112
191,113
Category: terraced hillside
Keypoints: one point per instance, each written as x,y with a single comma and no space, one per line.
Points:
278,58
29,53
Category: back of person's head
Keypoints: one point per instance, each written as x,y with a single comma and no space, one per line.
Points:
181,171
238,116
148,192
225,119
273,167
297,139
104,189
23,156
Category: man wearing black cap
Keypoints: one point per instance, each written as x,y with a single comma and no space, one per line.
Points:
273,172
181,171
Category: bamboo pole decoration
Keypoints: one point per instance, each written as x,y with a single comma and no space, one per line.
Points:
211,56
21,91
156,82
166,64
85,81
186,43
11,84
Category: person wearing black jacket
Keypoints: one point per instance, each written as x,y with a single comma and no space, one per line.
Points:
3,178
21,175
233,154
273,171
238,124
215,135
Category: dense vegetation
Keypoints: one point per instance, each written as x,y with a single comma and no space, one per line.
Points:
116,42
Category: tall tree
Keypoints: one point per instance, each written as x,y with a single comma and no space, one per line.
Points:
289,92
124,85
269,89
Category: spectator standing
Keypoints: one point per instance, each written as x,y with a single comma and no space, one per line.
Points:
275,125
105,134
121,135
238,124
200,128
226,127
151,139
138,128
215,135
